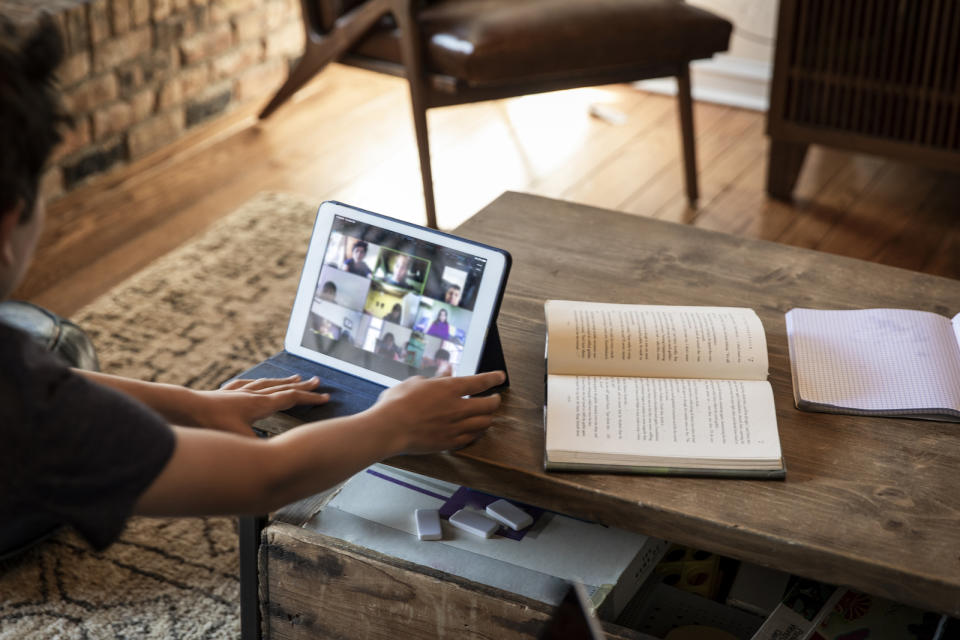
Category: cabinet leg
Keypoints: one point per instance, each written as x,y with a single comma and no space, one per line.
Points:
785,162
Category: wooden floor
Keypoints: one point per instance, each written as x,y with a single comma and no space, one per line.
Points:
348,136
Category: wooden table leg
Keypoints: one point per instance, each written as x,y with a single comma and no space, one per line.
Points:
249,529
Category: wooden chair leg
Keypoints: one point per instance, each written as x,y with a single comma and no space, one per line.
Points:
314,59
319,51
412,60
685,106
423,148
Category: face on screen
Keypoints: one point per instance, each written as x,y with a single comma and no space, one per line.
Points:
391,303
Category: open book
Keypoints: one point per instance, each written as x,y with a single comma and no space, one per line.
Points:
884,362
659,389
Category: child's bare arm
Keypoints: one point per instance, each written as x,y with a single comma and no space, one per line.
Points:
232,408
213,472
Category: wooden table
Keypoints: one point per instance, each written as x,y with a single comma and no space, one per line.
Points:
871,503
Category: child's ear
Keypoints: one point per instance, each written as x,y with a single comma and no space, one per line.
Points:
9,220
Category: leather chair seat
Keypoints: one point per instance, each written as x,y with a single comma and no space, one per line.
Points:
484,42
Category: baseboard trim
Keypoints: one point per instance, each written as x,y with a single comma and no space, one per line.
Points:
737,82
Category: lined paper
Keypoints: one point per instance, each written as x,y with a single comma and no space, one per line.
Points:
875,359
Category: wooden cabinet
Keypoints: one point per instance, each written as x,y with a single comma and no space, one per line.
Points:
872,76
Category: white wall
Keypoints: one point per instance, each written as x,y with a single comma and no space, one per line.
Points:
741,76
755,25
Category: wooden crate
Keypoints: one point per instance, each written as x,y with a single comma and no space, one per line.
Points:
314,586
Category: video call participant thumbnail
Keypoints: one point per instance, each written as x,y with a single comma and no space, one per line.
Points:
331,331
351,254
456,284
439,365
320,333
396,314
402,270
358,262
387,347
342,288
413,349
391,303
440,327
442,320
452,295
328,291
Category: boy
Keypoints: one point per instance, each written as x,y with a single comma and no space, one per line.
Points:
89,449
355,263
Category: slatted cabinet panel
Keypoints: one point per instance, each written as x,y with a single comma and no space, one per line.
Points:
880,76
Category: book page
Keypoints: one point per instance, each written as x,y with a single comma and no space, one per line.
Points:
875,359
662,417
590,338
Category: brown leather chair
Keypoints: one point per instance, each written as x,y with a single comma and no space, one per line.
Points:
459,51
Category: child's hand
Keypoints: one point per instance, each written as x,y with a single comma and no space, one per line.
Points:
428,415
236,405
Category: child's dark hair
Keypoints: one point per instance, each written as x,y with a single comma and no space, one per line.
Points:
30,109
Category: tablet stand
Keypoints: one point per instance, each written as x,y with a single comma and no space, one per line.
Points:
492,357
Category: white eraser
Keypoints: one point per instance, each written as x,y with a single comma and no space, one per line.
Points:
428,524
509,515
473,522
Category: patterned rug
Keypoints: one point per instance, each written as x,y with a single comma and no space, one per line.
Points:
195,317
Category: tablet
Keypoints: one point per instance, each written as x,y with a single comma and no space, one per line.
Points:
384,299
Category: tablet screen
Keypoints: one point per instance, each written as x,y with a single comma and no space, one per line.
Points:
387,301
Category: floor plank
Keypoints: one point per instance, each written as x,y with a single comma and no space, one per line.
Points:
888,207
824,210
587,143
348,136
667,186
923,234
719,175
646,147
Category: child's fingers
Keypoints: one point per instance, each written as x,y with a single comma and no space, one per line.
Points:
470,385
282,385
475,424
293,397
235,384
266,383
479,406
465,439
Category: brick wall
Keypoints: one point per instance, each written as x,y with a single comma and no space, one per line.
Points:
140,73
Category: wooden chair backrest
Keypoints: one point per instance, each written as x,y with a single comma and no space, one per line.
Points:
324,13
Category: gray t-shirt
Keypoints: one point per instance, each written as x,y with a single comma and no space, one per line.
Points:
72,452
